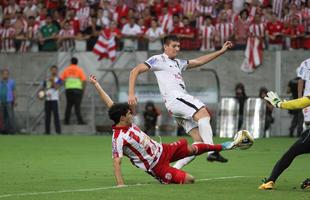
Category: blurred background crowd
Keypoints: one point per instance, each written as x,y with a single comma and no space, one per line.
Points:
51,25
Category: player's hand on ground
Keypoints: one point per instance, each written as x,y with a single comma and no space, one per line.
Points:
92,79
274,99
132,100
227,45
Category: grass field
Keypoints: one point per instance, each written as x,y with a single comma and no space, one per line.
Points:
80,167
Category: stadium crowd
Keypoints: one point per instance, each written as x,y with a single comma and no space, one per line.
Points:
51,25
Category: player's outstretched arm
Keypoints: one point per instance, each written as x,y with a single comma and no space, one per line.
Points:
103,95
299,103
134,73
197,62
117,172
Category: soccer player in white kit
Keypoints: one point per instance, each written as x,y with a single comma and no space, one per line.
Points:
303,72
188,111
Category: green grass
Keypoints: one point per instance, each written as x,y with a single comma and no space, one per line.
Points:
56,163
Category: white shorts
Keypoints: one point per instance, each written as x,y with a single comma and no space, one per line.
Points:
183,108
306,112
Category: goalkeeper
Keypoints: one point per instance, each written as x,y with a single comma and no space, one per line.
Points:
301,146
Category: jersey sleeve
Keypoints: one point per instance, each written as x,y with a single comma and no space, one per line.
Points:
183,64
117,147
153,63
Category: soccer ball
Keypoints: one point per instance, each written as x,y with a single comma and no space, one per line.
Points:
41,94
243,139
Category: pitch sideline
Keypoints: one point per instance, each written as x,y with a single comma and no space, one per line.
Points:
103,188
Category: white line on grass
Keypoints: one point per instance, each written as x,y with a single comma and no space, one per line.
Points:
102,188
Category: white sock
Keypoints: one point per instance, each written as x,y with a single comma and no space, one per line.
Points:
205,131
181,163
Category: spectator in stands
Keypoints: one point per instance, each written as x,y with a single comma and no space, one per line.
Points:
274,33
207,34
48,35
130,34
224,30
174,7
142,41
150,116
30,44
74,79
103,18
177,25
51,88
66,38
241,27
7,35
117,33
10,11
187,35
166,20
156,8
7,102
269,109
83,14
241,97
90,34
306,20
298,117
295,32
30,9
20,25
154,35
74,22
121,10
147,17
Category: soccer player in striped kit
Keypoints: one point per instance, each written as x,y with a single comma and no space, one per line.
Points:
144,152
189,111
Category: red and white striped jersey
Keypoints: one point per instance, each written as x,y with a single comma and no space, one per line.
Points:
257,30
141,6
31,34
11,10
73,4
288,18
166,22
224,32
306,19
142,151
207,35
67,44
190,6
7,43
277,7
83,15
207,10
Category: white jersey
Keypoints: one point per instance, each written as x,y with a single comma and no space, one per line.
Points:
303,72
169,75
142,151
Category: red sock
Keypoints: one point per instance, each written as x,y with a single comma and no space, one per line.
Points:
202,148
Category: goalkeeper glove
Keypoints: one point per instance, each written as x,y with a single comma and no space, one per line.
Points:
274,99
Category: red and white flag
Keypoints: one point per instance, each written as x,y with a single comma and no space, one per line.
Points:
105,46
253,55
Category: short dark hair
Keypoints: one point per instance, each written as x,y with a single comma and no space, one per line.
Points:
74,61
169,38
54,67
117,110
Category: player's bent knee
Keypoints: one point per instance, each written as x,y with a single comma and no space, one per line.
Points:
201,113
189,179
